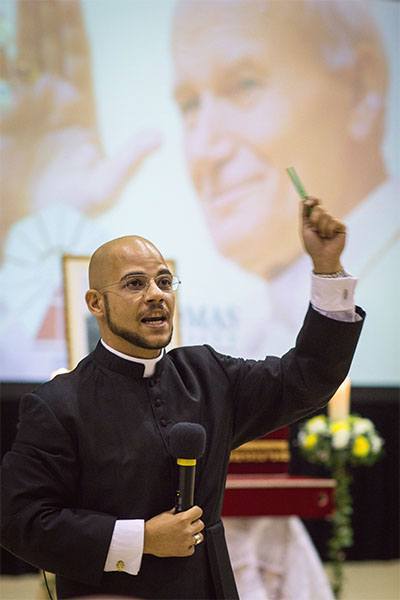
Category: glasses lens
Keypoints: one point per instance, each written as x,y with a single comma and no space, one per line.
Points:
164,282
139,283
167,283
175,283
136,283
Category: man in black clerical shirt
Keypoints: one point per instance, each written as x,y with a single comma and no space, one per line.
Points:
89,485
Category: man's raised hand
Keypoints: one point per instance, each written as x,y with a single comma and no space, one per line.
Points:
323,236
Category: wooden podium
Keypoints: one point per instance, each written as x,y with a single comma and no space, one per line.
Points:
258,483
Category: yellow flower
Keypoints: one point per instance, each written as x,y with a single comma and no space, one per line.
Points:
337,426
310,440
361,446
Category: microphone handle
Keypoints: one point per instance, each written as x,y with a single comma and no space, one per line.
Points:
185,492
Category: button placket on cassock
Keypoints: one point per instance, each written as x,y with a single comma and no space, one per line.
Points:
159,407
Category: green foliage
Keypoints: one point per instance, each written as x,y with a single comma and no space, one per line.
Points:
340,445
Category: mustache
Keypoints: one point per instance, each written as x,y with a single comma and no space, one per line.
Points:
159,310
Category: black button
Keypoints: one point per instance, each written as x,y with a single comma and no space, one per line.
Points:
157,402
163,422
152,383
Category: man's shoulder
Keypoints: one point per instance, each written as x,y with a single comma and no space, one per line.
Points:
65,386
192,352
201,358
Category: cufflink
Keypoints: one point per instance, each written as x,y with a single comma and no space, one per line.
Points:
120,565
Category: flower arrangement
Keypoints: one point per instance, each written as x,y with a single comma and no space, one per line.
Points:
339,444
354,438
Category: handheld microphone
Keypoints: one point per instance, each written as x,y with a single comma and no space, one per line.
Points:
187,442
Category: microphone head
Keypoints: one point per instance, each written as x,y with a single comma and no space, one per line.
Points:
187,440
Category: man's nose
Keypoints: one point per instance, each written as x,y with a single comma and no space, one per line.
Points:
153,292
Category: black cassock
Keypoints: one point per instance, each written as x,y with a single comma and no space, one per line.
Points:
92,447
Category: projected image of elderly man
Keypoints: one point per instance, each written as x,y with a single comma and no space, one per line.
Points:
264,85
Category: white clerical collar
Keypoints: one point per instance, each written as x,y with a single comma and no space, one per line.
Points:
149,363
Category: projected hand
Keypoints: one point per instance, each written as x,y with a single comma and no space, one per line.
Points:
50,149
170,534
323,237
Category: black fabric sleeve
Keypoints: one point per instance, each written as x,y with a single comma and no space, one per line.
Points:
40,489
274,392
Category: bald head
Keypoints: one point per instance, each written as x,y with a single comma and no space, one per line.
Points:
109,259
135,320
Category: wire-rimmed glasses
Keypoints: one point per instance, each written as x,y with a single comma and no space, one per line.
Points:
138,283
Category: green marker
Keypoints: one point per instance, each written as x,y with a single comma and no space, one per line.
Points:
299,186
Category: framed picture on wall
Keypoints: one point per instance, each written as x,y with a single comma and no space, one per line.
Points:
82,333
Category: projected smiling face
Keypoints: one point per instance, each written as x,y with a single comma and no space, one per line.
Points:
255,98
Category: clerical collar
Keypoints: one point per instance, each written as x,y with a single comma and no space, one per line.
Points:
148,363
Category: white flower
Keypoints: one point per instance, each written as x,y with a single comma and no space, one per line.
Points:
302,437
317,425
340,439
376,443
362,426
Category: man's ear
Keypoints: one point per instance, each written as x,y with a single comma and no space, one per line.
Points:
369,91
94,301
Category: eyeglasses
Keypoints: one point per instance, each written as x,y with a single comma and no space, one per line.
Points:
135,284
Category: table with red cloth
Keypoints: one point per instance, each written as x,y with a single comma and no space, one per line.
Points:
271,552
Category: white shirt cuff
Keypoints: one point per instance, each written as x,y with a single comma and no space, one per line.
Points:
333,294
126,547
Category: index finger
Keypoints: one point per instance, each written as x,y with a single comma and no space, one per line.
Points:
76,49
307,206
194,513
28,35
49,43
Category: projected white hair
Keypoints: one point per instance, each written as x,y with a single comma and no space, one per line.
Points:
337,27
